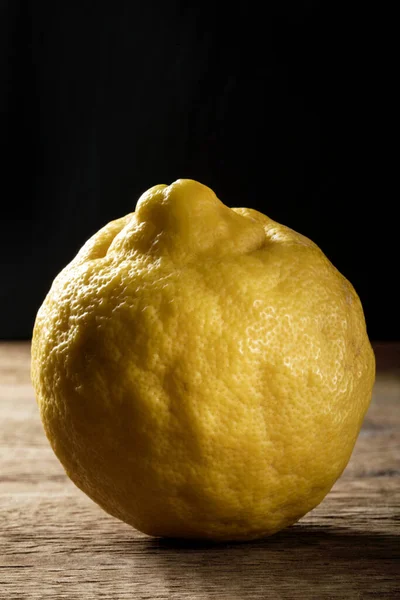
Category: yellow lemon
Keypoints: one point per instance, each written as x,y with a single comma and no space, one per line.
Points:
202,371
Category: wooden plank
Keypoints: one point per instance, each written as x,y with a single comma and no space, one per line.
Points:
56,543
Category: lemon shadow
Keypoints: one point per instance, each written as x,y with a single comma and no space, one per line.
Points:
300,562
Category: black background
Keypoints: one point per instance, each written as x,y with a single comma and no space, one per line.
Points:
101,100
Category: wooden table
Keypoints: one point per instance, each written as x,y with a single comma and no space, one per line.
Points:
55,543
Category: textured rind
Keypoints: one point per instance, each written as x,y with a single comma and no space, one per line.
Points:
206,385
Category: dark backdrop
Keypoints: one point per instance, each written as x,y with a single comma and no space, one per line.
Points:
101,100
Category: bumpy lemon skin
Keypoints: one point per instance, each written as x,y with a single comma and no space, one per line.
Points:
201,371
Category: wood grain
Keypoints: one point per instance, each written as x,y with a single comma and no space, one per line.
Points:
56,543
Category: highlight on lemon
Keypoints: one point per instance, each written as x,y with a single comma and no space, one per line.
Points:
202,371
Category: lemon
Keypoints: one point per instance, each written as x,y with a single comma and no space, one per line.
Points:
202,371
